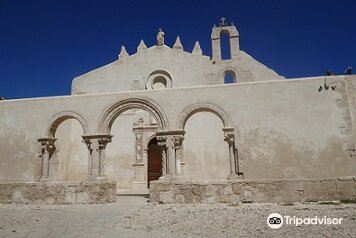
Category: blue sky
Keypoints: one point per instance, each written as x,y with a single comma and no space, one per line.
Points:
44,44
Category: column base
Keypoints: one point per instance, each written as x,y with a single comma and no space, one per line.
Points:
232,176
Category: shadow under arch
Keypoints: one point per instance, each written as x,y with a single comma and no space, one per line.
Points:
112,112
202,107
60,117
148,141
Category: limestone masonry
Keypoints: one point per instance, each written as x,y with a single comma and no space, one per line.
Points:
204,129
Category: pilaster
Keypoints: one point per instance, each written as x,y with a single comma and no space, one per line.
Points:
47,149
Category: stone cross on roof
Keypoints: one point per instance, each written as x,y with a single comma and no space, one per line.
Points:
222,23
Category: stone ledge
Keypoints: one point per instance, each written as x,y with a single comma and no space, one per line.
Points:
83,192
254,190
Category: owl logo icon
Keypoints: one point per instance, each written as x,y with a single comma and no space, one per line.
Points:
275,220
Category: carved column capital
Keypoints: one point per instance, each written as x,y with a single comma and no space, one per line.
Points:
229,135
178,140
170,138
88,143
103,142
161,140
48,144
229,139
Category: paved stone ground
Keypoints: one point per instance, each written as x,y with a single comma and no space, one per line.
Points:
134,217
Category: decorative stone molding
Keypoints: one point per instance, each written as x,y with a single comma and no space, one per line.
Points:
123,53
141,142
96,145
60,117
159,79
139,147
109,115
197,50
141,47
178,45
202,107
47,149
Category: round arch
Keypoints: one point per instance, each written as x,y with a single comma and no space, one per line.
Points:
112,112
60,117
202,107
228,70
148,141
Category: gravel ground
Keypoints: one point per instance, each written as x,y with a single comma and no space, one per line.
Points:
134,217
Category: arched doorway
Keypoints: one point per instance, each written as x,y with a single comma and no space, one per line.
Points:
154,161
130,121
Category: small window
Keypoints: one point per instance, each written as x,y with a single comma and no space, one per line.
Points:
229,77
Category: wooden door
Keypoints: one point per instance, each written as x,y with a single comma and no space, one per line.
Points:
154,161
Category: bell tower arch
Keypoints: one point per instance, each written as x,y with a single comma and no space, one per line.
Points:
233,34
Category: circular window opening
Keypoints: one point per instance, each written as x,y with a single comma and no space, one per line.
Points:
159,79
159,82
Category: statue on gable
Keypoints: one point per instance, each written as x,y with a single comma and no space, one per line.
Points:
160,37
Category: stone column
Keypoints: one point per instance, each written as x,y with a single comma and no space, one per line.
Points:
96,145
47,150
170,142
178,144
171,154
162,145
230,139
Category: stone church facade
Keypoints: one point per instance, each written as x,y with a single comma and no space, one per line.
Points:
186,126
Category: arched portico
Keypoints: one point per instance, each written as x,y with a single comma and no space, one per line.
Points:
60,117
229,131
47,143
97,143
202,107
113,111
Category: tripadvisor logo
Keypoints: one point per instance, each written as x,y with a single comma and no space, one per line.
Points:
275,220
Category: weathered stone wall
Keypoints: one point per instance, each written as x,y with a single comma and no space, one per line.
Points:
184,69
88,192
278,191
283,129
